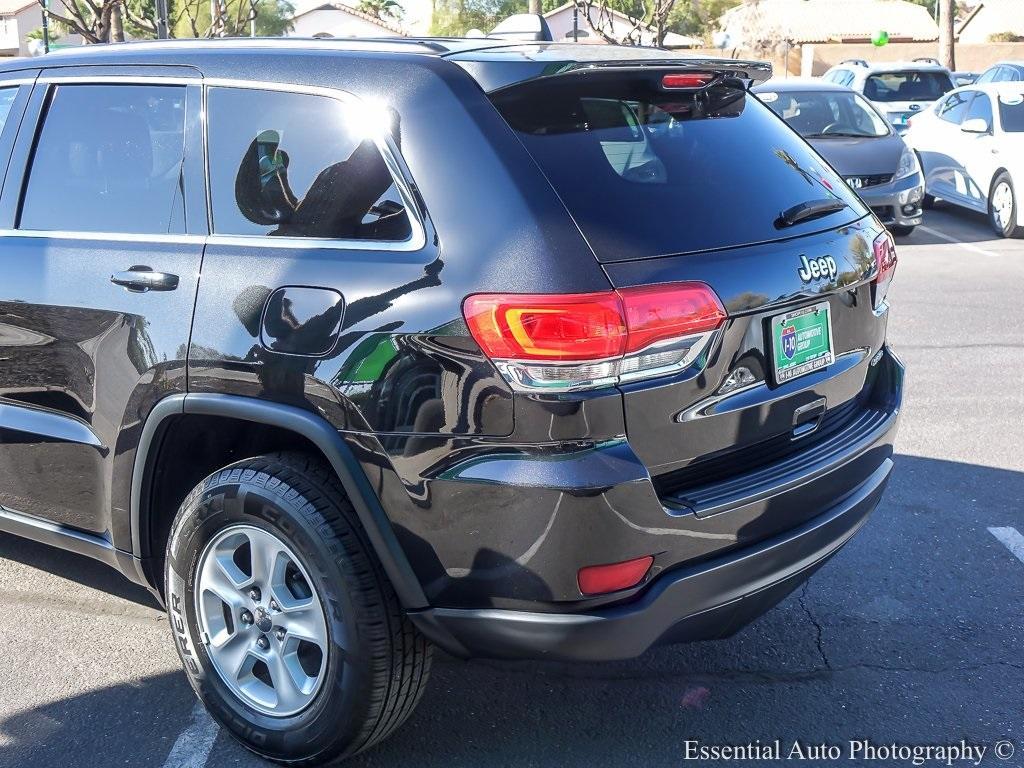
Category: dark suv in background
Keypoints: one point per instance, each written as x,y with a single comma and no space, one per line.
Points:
348,349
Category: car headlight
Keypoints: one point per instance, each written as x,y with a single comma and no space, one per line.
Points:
908,165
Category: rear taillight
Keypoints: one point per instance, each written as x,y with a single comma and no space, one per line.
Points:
543,342
686,80
885,266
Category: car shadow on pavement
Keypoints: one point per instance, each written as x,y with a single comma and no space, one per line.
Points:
74,567
963,224
913,623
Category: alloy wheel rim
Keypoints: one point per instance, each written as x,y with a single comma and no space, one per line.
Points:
261,620
1002,204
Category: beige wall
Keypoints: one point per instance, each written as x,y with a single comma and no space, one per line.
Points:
969,57
778,62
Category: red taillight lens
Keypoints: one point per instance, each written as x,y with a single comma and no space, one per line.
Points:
658,312
601,579
583,326
885,266
687,80
578,341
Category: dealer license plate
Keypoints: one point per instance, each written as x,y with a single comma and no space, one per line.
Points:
802,341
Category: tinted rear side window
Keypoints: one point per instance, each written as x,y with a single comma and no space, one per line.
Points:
109,158
298,165
1011,112
646,172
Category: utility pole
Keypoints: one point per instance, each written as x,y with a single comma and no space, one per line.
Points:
535,6
46,26
161,20
946,21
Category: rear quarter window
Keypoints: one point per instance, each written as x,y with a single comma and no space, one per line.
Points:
647,173
1011,112
299,165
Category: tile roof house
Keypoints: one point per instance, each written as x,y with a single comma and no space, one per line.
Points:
991,18
836,21
340,20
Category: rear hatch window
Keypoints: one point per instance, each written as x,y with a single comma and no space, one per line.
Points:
647,172
907,86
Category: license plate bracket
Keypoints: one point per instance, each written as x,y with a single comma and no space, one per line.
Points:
801,341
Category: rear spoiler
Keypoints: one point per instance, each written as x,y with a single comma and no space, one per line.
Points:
495,76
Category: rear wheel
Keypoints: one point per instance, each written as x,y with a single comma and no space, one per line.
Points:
1002,207
928,201
289,630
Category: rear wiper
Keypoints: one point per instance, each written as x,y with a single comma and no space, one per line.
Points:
812,209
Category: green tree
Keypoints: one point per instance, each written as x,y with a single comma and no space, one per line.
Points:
698,18
457,17
382,9
104,21
97,21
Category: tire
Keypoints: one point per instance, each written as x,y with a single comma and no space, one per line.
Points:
1003,207
325,580
928,201
899,231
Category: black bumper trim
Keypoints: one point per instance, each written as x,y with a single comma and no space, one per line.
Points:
709,600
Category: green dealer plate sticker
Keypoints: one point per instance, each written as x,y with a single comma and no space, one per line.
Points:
802,341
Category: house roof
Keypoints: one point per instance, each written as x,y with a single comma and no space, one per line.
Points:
991,18
351,11
671,38
819,21
11,7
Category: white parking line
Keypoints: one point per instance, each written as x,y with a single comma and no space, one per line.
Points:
194,744
1012,539
954,241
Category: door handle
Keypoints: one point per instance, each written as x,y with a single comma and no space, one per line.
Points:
139,279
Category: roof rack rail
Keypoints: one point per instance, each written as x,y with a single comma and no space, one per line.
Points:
858,62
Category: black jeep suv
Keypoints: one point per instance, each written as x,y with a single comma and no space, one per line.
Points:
350,349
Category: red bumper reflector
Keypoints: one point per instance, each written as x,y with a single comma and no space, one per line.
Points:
599,579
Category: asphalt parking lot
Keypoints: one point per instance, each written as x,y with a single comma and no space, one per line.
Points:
912,634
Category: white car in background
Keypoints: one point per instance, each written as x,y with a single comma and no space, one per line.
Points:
899,90
971,149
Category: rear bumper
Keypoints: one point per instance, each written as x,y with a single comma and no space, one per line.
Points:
708,601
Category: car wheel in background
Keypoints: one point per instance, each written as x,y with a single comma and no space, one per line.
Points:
289,630
1002,207
899,231
928,201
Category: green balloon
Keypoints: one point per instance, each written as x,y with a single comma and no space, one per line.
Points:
880,38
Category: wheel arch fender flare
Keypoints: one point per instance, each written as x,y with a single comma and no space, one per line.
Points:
308,425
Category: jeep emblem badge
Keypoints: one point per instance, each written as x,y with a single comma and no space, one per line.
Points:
812,269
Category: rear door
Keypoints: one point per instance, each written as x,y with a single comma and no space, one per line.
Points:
103,221
710,195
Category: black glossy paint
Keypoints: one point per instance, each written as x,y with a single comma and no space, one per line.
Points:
477,497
